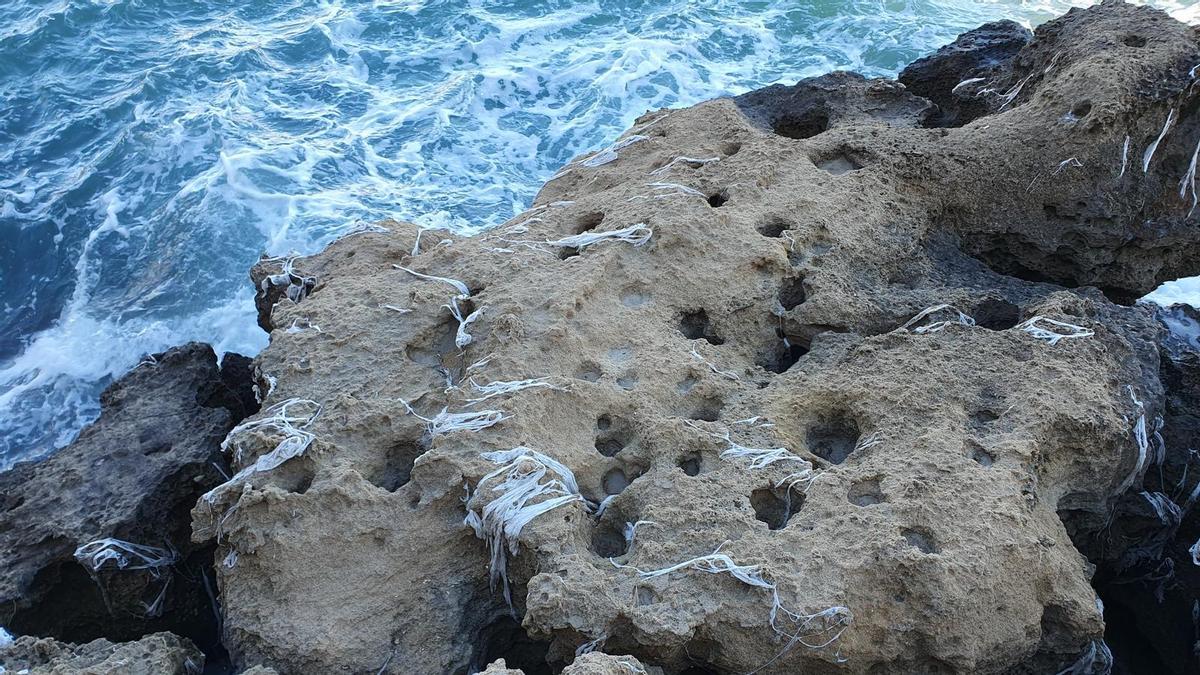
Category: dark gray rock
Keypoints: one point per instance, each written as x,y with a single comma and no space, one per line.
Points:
132,475
975,54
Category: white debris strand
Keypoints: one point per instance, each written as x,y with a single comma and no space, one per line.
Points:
281,418
953,314
1066,163
1095,660
1124,157
124,555
1149,154
446,422
728,374
1057,330
296,284
689,161
502,388
815,631
1188,182
637,234
609,154
518,495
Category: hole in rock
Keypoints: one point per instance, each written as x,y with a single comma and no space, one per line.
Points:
718,199
1080,110
708,410
695,325
612,435
608,541
690,463
996,314
833,440
644,595
979,455
567,252
781,355
432,348
775,507
1134,41
774,227
588,221
628,381
588,372
731,148
801,126
686,384
839,165
920,539
506,639
791,293
865,492
615,481
397,466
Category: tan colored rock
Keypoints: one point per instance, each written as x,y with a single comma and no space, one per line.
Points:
769,308
155,654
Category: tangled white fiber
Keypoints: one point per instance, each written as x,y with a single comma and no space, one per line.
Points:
461,338
953,314
446,422
1051,335
127,556
636,234
1195,551
519,495
279,418
296,284
1124,157
814,631
692,162
801,475
1067,163
1095,660
502,388
1147,454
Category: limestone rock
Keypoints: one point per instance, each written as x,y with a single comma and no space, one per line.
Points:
155,654
835,376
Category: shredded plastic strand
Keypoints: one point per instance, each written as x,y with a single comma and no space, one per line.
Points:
1067,163
502,388
280,419
682,160
609,154
956,316
637,234
1095,660
1124,157
1149,154
296,284
815,631
519,495
1188,182
728,374
1051,335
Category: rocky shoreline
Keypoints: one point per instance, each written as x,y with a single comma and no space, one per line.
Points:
840,377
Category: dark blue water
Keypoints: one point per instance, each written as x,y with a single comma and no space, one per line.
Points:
150,150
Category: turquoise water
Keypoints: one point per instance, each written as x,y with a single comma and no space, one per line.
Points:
150,150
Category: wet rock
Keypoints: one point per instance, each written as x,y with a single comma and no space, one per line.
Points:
952,77
854,370
155,654
132,475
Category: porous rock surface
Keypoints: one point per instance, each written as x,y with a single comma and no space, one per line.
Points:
154,654
132,475
795,233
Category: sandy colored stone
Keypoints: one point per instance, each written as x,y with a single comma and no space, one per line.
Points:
770,308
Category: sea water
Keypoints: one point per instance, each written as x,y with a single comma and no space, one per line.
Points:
151,150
